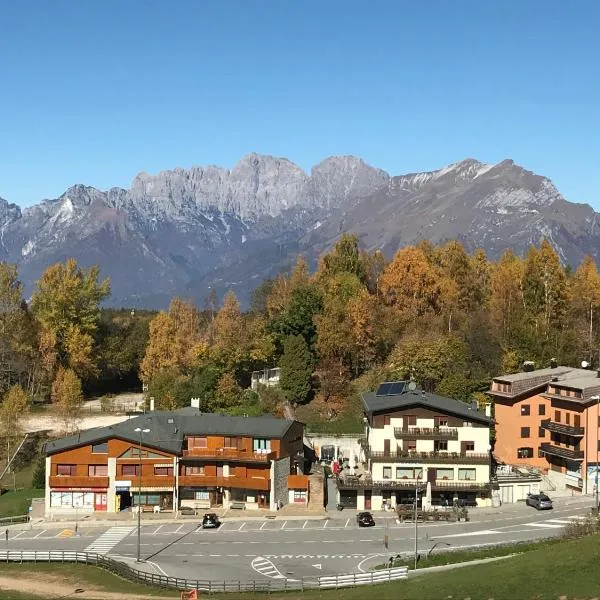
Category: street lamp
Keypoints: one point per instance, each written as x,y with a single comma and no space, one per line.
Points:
416,527
139,503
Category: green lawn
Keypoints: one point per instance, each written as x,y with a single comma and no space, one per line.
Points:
568,568
17,503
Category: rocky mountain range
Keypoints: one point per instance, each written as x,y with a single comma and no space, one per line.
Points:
185,231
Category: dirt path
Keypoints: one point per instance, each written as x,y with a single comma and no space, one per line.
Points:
51,586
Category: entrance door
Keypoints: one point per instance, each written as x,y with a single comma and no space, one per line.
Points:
100,501
386,447
368,494
262,501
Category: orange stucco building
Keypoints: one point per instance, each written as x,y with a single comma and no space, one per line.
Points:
176,459
550,419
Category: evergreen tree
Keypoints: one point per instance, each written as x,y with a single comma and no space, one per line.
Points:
296,366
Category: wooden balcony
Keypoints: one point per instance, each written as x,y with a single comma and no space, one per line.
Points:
248,483
229,455
64,481
567,453
426,433
562,428
468,458
150,480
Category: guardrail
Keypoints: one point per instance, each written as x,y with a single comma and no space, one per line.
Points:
13,520
180,583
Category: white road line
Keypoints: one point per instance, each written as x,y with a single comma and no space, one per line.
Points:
346,525
242,526
109,539
38,535
305,524
18,535
263,524
562,521
544,525
325,524
156,530
284,524
178,529
157,567
453,535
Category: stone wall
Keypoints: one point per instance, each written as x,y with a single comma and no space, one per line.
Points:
280,469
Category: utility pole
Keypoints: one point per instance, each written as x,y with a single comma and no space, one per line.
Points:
416,512
139,503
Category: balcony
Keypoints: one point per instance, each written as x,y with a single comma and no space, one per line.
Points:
469,458
426,433
78,481
562,428
356,483
229,454
567,453
248,483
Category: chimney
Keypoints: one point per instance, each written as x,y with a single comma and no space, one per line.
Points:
488,410
553,363
195,403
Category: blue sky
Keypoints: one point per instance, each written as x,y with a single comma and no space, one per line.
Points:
94,92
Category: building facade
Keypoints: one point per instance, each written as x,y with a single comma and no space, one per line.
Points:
417,440
550,419
183,458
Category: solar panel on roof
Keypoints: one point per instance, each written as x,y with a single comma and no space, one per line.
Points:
397,387
383,389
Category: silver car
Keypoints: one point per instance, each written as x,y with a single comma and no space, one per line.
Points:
539,501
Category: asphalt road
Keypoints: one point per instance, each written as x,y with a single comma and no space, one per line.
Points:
261,549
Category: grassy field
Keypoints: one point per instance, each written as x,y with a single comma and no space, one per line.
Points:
568,568
14,503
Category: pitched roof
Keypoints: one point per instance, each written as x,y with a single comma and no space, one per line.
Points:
374,403
168,428
546,374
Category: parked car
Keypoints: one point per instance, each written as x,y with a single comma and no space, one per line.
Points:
538,501
187,510
210,521
365,519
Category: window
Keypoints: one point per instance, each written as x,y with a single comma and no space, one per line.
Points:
524,432
197,442
568,418
441,421
71,499
577,421
540,453
130,469
261,445
542,432
541,409
598,445
66,469
97,470
525,453
557,416
405,473
189,470
386,419
469,446
445,474
411,445
300,496
440,446
525,410
387,472
410,420
163,471
100,448
467,474
201,495
231,442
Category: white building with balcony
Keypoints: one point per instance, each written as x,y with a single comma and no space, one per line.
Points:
267,377
415,439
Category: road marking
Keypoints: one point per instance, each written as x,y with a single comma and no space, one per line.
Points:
186,543
38,535
318,566
65,533
265,567
305,523
214,555
157,567
562,521
544,525
346,525
453,535
284,524
263,524
242,526
178,529
109,539
156,530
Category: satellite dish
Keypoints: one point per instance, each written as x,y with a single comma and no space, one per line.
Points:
584,364
412,386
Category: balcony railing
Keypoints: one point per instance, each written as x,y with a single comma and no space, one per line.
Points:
473,458
248,483
568,453
350,483
562,428
78,481
229,454
426,433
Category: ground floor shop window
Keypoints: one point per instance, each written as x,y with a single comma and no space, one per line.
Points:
300,496
71,499
152,499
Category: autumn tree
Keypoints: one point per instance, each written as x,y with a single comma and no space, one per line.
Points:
228,340
67,396
13,409
345,257
66,303
296,365
585,290
228,393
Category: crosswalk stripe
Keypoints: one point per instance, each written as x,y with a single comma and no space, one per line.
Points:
109,539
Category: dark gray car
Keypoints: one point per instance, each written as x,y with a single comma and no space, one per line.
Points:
539,501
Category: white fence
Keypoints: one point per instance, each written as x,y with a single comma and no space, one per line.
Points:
180,583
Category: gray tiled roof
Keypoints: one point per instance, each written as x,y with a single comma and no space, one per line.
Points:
373,403
168,428
547,374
